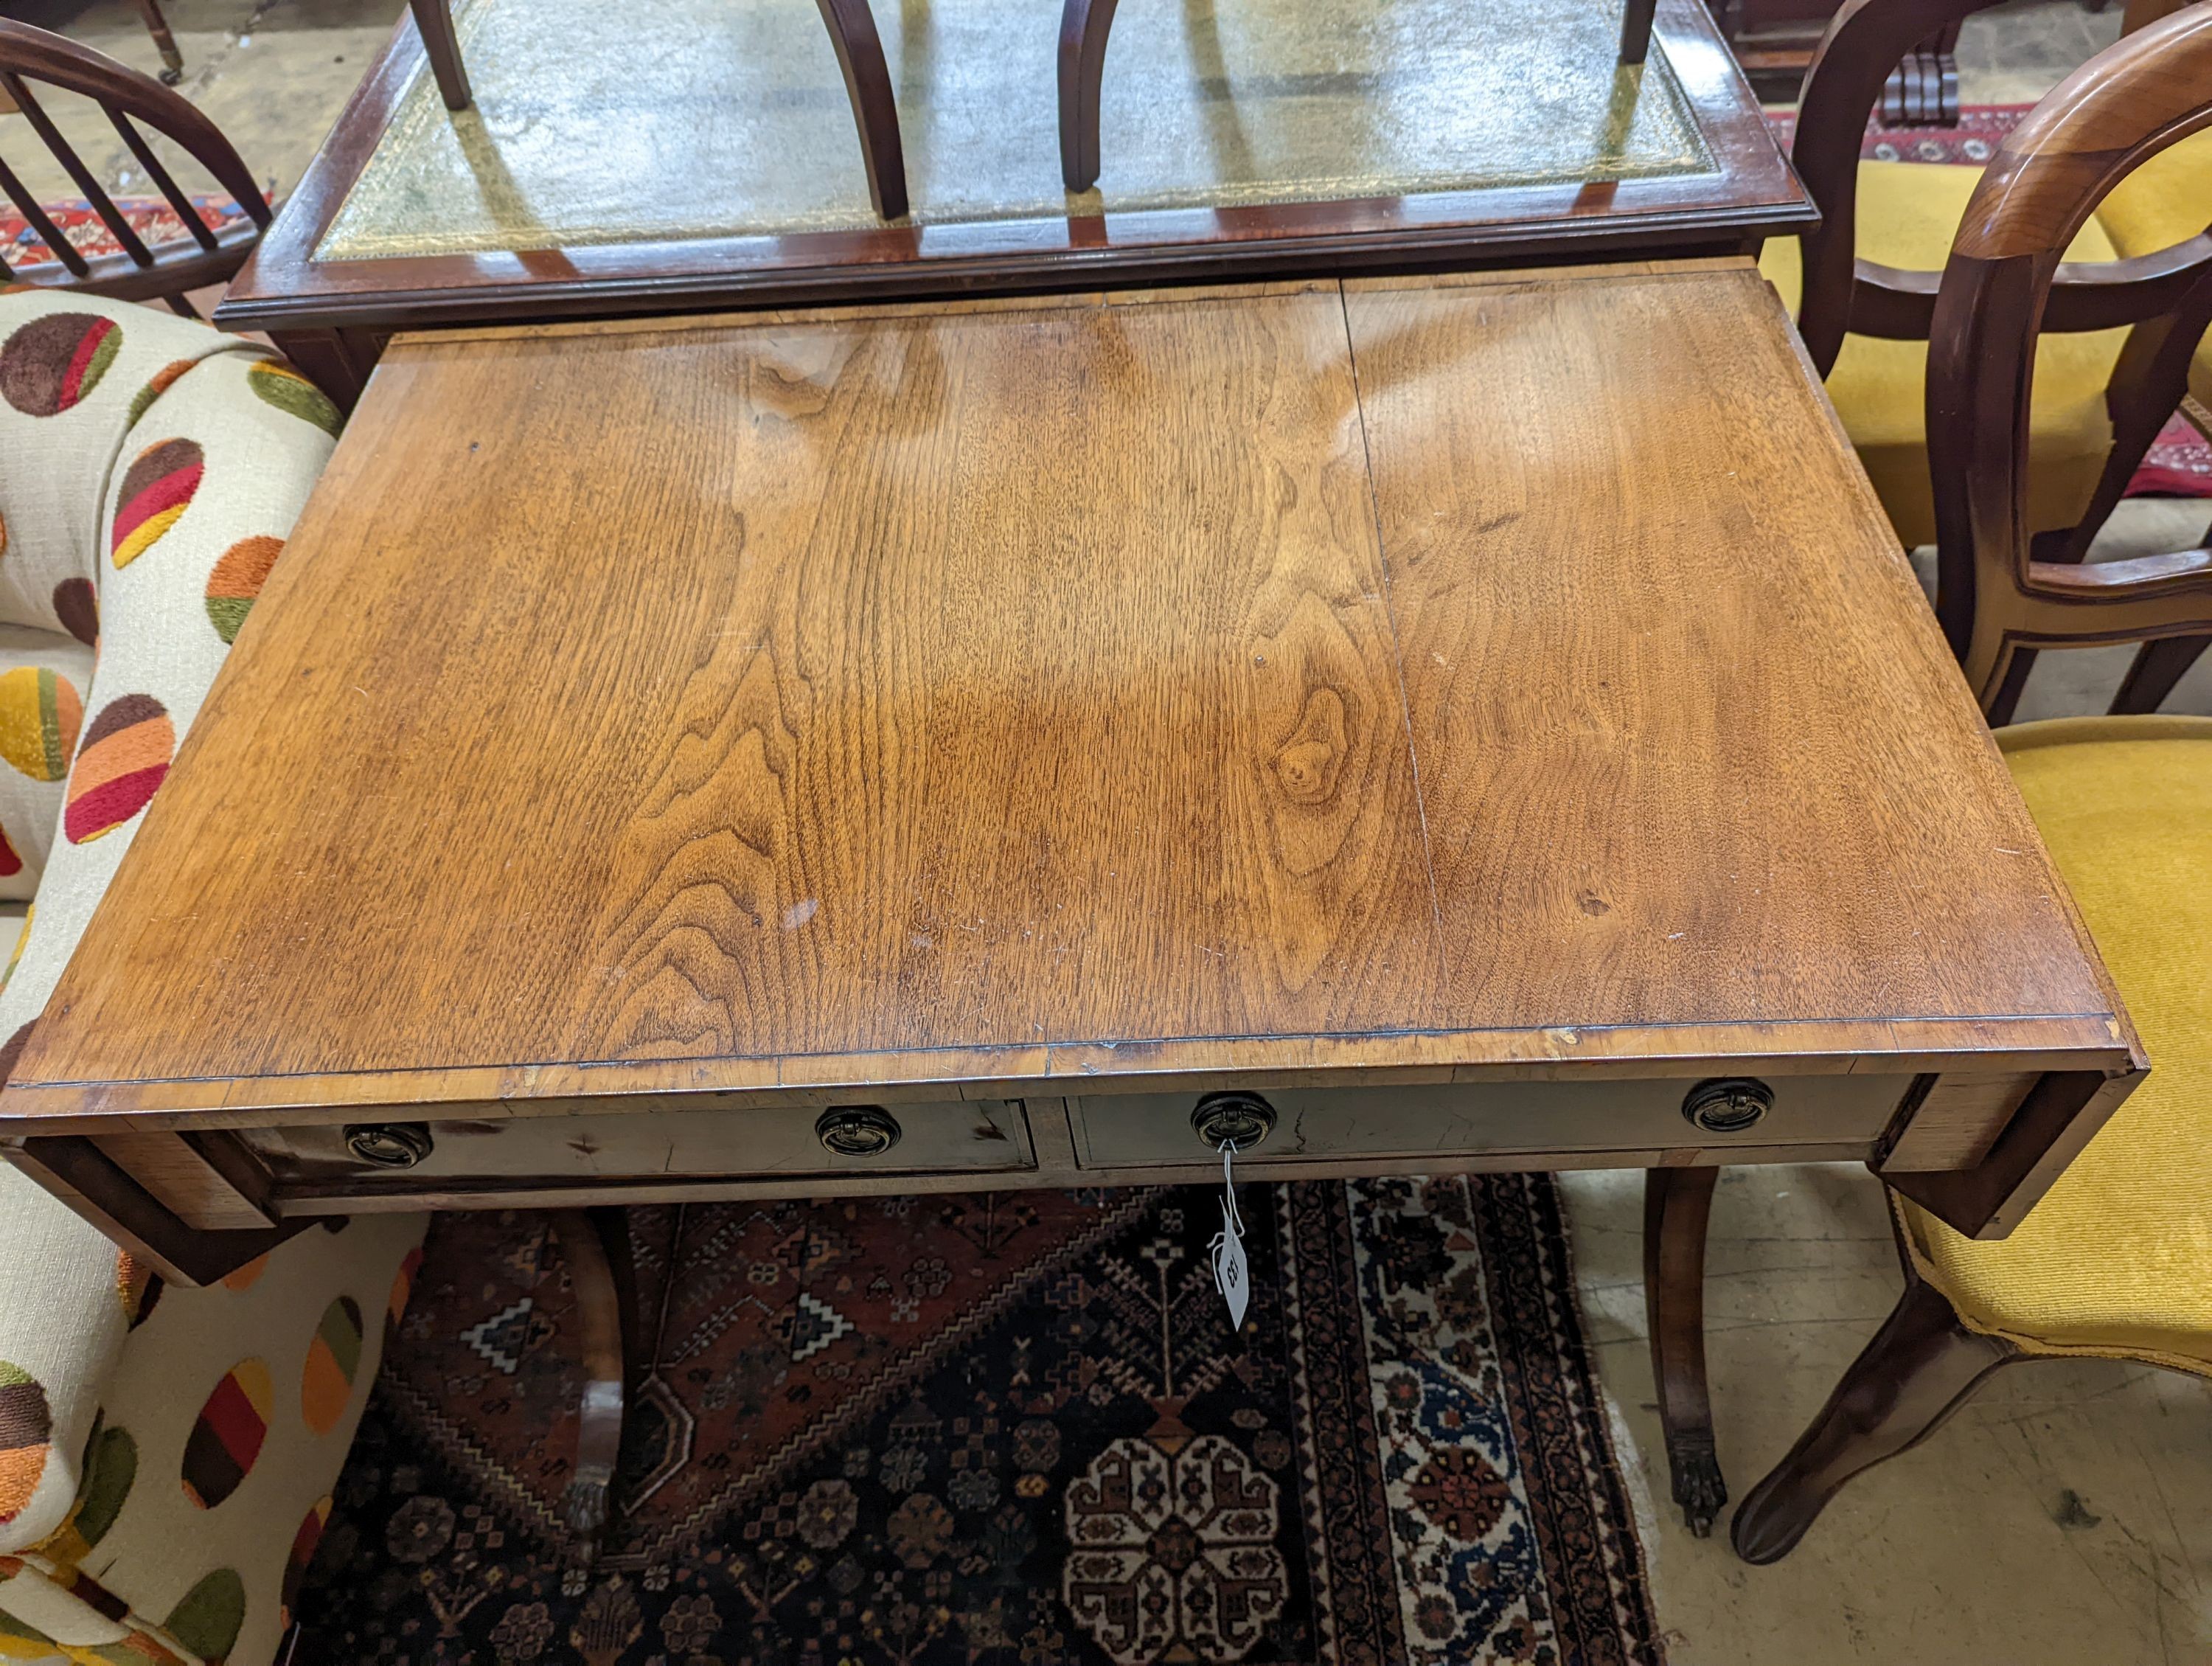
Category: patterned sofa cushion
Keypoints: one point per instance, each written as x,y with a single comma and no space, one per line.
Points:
161,1463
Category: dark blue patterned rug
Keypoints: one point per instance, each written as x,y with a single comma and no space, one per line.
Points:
1008,1429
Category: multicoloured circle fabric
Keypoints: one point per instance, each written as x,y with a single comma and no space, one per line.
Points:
52,363
236,582
333,1361
125,756
162,379
279,384
41,714
221,1451
157,489
26,1427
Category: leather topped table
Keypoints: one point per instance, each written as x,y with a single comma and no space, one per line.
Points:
666,156
1460,720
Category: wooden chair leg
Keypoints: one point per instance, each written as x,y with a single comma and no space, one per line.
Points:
2158,666
172,61
875,112
2000,709
1676,1204
434,22
1084,27
1918,1369
1636,31
602,1301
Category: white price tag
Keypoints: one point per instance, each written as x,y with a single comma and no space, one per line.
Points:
1231,1272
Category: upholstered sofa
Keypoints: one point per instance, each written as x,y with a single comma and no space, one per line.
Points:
166,1455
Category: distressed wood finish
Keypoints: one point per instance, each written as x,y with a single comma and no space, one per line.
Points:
1394,693
337,314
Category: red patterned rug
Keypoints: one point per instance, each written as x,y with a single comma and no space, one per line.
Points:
2180,461
152,218
1014,1429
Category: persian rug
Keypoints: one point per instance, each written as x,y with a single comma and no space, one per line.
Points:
2180,461
151,217
1011,1429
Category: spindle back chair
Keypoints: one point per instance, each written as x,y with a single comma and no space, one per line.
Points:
168,270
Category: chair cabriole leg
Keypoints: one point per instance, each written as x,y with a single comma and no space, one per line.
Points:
1918,1369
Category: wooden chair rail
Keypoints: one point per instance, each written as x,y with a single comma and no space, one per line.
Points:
1898,305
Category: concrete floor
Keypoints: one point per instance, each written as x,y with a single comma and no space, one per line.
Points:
2065,1518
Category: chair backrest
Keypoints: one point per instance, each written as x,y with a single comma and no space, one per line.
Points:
167,270
2002,285
1842,293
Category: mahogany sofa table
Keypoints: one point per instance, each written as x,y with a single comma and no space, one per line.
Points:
1468,723
333,292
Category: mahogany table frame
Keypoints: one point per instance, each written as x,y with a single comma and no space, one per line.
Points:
2011,1051
333,318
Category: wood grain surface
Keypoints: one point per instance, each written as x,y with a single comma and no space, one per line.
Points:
1419,680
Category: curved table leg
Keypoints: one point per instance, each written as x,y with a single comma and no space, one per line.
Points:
600,1300
1676,1202
1084,25
434,22
868,83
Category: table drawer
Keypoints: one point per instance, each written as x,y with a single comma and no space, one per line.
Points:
1338,1125
935,1137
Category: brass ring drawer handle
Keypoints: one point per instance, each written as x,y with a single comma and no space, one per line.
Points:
388,1144
857,1130
1727,1104
1232,1122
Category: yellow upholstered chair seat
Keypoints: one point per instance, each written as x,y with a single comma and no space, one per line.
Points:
2166,201
1908,213
2116,1259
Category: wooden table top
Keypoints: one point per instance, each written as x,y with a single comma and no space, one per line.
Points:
579,188
1409,680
